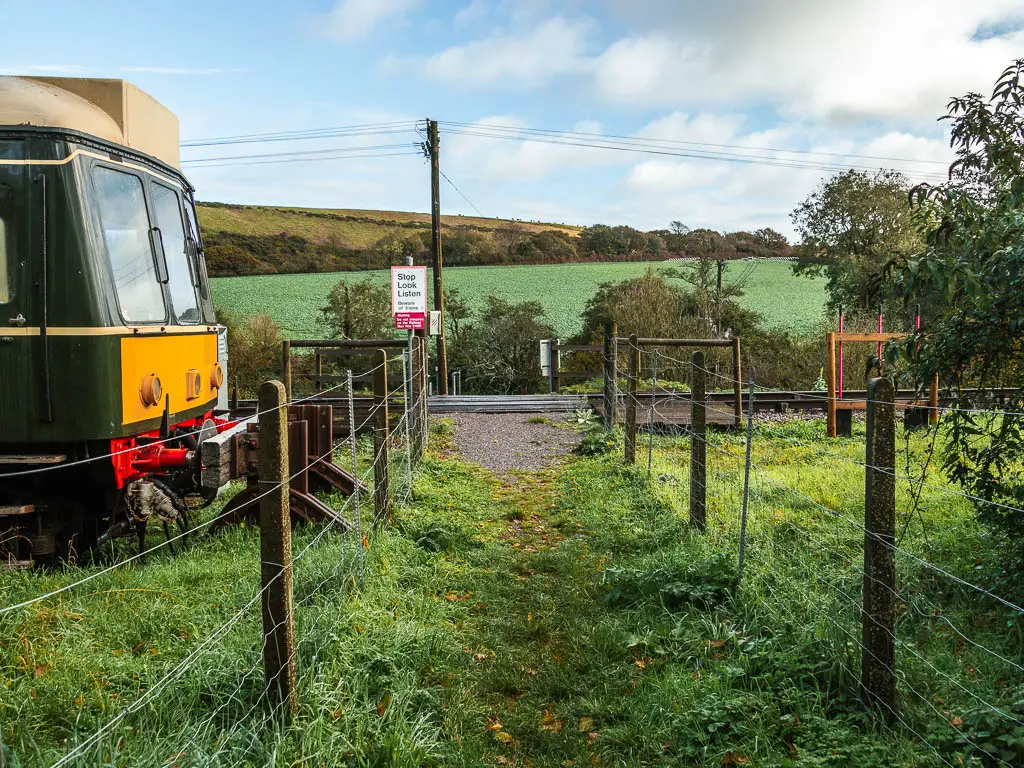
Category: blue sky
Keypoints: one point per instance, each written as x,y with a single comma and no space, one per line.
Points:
866,78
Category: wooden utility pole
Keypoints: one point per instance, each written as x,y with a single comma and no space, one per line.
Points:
878,638
276,550
438,260
698,444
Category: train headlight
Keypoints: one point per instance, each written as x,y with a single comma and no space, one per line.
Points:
151,391
217,376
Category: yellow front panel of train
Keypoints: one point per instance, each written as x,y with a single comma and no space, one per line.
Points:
182,367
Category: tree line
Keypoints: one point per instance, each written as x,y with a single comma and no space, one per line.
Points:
236,253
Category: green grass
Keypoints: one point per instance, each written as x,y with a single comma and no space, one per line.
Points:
564,617
293,301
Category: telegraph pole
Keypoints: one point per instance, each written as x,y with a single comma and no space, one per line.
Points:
438,261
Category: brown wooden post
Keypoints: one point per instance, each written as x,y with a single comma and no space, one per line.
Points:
276,550
878,660
610,375
634,384
416,390
424,392
830,382
556,365
737,383
933,402
286,368
437,261
698,446
381,442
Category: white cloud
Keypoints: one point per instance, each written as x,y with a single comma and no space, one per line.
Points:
531,57
871,58
353,19
472,13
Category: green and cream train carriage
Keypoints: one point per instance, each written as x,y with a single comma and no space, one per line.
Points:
109,367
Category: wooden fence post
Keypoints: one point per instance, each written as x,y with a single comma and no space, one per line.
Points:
933,401
286,368
276,550
830,383
698,446
381,442
424,393
610,375
737,384
878,639
634,379
556,365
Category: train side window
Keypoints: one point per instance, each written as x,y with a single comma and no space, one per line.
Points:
126,233
6,278
180,283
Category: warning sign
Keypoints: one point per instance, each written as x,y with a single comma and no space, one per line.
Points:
410,321
409,297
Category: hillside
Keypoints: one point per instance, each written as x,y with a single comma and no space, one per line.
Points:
261,240
352,228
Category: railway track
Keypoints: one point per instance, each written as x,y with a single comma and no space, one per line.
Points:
771,400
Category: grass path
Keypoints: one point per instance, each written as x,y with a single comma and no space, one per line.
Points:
566,616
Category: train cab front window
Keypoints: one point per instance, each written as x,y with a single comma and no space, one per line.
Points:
126,234
180,281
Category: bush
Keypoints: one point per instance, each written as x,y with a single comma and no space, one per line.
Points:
597,442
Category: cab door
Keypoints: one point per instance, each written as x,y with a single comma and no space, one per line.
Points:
18,327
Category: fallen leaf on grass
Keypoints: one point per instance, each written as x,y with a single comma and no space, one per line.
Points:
550,723
382,705
956,722
503,737
736,758
366,542
586,724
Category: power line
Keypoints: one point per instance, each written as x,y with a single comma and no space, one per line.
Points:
696,155
309,153
307,159
452,183
308,133
680,142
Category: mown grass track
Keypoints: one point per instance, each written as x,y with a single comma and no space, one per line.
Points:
563,617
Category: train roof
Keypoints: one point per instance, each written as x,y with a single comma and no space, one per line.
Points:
112,110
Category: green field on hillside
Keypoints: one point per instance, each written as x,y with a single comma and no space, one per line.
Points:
293,301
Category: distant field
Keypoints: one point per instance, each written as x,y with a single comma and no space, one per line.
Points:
293,301
351,228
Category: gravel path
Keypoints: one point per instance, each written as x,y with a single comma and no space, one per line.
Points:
504,442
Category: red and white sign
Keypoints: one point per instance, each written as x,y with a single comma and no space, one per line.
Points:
410,321
409,297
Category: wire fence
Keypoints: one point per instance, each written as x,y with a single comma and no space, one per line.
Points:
792,509
239,719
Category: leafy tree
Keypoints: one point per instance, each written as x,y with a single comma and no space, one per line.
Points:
254,351
359,310
499,351
971,266
851,228
678,228
771,240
